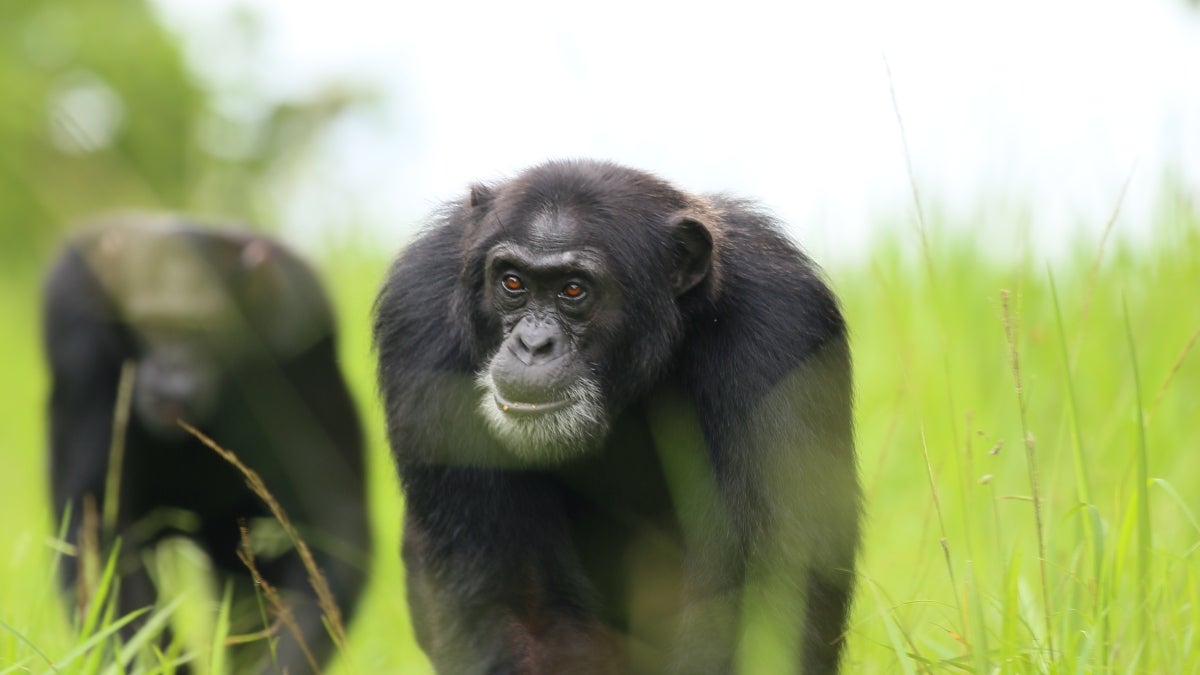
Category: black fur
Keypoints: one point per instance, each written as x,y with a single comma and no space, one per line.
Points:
722,496
241,346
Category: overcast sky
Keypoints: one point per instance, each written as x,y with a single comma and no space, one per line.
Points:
1023,109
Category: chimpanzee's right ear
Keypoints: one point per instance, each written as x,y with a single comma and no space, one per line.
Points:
693,251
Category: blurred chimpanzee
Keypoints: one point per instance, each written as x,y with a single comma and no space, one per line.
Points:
233,334
622,418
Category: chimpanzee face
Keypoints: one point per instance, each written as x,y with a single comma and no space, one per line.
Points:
582,332
542,397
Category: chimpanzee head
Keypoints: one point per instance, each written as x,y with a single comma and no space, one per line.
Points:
577,280
199,308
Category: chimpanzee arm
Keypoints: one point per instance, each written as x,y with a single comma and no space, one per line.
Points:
85,352
772,512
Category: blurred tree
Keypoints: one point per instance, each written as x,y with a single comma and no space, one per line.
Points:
102,112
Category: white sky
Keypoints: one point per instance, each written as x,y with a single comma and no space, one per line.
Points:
1028,109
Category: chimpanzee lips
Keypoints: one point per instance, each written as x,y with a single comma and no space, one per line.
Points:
524,408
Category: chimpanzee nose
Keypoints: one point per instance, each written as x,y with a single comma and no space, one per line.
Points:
536,343
176,387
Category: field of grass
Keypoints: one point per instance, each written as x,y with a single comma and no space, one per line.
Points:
1025,427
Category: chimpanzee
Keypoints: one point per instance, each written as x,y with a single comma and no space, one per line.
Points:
622,419
229,332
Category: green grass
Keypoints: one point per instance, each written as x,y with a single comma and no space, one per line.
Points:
981,381
958,583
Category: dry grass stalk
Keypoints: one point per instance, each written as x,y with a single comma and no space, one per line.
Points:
1094,272
316,579
116,448
1171,375
1010,333
88,550
281,609
944,541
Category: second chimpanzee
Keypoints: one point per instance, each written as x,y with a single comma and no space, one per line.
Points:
622,418
231,333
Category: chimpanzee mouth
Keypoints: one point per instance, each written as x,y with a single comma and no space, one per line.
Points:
547,431
530,409
168,413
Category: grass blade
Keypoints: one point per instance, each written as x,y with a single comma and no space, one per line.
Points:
221,633
895,635
20,636
149,631
103,589
108,630
1142,488
1178,501
978,631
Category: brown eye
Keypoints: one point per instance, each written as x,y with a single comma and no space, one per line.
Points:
572,291
512,283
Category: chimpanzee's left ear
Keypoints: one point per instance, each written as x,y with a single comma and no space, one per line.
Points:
480,196
693,251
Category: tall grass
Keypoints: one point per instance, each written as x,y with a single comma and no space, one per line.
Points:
975,558
1104,580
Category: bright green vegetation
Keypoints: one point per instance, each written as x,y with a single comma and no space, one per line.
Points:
1103,429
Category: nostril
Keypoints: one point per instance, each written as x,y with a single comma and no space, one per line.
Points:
543,347
522,346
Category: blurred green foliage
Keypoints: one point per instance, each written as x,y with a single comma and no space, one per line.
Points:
102,112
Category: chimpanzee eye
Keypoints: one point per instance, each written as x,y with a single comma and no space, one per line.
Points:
512,283
573,290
